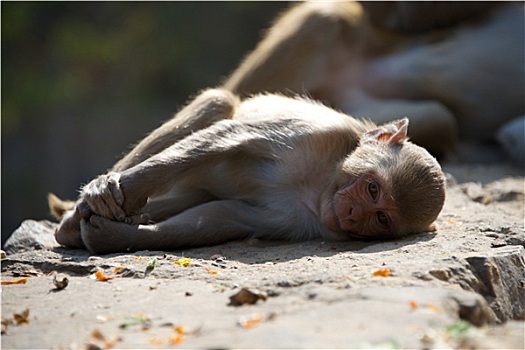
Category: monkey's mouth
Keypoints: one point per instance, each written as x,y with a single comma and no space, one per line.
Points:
338,216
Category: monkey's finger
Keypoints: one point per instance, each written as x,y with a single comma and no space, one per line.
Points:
112,198
139,219
102,199
94,193
100,204
114,187
112,210
95,221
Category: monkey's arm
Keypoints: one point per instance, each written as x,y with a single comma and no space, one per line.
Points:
207,224
120,196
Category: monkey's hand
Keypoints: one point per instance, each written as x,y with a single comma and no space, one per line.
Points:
103,196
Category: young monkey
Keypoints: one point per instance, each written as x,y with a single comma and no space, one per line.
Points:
271,167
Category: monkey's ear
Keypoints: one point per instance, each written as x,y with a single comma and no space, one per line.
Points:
394,133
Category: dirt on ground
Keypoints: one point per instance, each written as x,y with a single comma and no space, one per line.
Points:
459,287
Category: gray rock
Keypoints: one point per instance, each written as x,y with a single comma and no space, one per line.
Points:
32,235
497,274
501,272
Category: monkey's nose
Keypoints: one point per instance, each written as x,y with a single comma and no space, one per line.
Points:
353,214
356,213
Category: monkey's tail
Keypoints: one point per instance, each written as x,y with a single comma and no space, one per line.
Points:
58,206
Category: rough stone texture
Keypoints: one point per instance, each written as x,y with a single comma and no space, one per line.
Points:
32,235
461,287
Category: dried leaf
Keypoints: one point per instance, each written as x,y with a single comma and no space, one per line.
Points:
5,324
97,335
100,276
60,284
381,272
212,272
180,329
413,304
17,281
247,296
117,269
176,339
250,323
108,344
22,318
183,261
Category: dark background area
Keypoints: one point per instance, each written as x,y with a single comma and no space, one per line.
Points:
82,81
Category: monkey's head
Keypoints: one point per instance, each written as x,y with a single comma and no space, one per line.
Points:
390,187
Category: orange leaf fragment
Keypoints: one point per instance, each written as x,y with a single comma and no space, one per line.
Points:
212,272
381,272
17,281
180,329
176,339
108,344
117,269
413,304
252,322
100,276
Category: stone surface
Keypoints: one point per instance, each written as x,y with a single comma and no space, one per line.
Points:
461,287
32,235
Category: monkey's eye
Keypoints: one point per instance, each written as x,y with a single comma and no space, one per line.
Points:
382,218
373,189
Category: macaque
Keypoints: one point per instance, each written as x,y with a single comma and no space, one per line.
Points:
455,68
269,167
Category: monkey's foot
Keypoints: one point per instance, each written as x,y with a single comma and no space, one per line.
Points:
68,231
101,235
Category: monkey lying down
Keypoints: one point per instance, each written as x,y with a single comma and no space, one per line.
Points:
270,167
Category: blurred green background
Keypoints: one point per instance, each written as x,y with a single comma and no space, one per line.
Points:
82,81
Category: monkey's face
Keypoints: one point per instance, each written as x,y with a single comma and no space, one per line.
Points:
362,209
385,191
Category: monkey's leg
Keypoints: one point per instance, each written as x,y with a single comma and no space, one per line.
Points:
226,220
207,108
298,48
204,110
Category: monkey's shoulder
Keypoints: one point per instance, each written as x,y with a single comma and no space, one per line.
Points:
272,107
